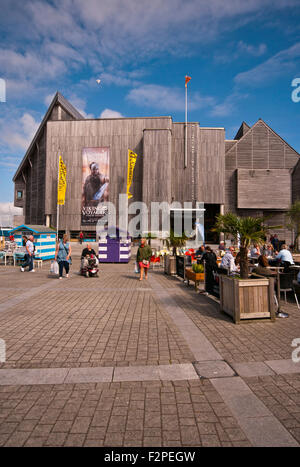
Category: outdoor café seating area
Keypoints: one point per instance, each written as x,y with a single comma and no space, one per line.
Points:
11,253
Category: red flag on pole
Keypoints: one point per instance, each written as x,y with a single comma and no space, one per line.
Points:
187,79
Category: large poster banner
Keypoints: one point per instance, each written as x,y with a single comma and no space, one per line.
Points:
95,184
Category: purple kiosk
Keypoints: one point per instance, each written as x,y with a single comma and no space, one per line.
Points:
114,249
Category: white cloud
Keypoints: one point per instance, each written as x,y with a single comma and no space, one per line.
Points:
108,113
80,105
250,49
17,134
285,61
50,40
7,211
167,99
48,99
234,51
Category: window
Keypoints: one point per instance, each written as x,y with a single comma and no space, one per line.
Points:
19,194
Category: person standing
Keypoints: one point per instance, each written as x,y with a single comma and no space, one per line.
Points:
62,255
28,255
80,237
143,258
210,259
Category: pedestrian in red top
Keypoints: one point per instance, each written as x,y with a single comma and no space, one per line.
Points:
81,238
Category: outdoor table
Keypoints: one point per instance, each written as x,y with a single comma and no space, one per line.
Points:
9,254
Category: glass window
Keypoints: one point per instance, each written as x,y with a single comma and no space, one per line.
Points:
19,194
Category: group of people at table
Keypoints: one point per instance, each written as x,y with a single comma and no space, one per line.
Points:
262,258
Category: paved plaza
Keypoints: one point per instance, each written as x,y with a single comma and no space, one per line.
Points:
112,361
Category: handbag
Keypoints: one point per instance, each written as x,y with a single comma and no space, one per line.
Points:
145,262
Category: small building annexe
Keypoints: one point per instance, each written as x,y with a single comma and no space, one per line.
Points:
255,174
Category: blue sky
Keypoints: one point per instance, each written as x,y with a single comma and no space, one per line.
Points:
242,57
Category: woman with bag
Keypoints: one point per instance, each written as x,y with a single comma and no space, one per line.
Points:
143,258
63,255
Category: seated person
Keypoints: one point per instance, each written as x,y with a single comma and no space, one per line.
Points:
199,253
262,268
285,257
255,251
268,250
222,245
228,261
86,254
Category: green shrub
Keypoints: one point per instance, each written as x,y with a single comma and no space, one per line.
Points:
198,268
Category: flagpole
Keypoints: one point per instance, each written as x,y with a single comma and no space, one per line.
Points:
185,129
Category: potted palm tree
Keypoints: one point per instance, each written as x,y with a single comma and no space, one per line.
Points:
173,242
241,297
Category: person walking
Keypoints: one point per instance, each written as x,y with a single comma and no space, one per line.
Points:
81,237
143,258
63,255
29,254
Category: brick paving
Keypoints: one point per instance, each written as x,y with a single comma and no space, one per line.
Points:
117,321
117,414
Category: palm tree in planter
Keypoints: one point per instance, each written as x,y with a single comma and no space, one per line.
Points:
175,241
245,230
252,298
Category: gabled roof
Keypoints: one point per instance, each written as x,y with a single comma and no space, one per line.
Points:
33,228
244,128
57,99
260,120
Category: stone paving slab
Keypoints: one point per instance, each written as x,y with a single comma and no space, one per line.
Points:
201,347
89,375
214,369
257,422
283,366
252,369
33,376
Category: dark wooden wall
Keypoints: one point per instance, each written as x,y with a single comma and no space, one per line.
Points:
211,165
32,180
264,188
117,134
260,148
296,183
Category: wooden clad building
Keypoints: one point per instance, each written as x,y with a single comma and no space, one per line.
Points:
260,175
249,175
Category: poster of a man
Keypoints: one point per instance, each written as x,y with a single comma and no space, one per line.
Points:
95,189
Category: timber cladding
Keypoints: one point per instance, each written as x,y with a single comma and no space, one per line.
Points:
264,189
118,135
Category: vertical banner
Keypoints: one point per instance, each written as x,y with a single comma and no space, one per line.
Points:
62,182
95,184
131,164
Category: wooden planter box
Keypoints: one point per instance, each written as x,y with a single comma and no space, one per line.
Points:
190,275
247,298
170,265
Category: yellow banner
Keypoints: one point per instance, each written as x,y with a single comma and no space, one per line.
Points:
131,164
62,182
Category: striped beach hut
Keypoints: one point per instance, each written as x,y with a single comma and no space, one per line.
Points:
44,239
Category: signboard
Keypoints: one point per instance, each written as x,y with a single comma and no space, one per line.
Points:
95,184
